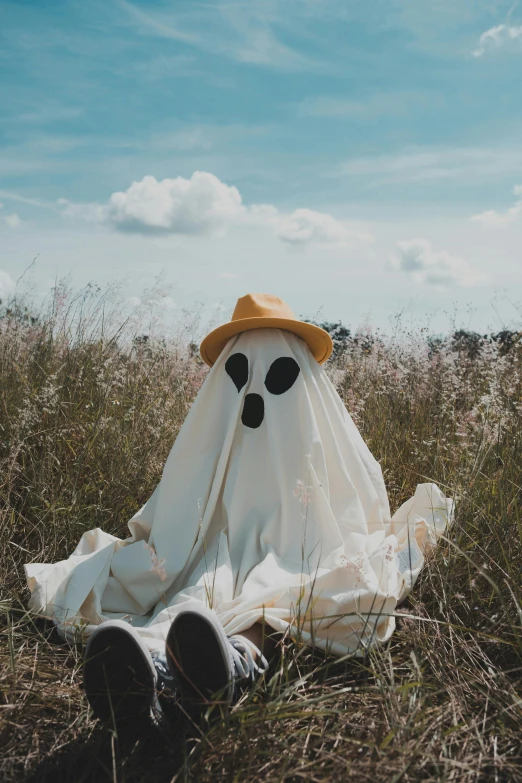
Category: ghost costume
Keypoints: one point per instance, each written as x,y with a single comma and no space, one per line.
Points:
270,507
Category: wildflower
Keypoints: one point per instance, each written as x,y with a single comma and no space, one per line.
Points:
303,492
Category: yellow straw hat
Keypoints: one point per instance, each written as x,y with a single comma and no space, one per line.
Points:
262,311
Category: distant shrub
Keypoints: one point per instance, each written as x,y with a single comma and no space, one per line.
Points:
507,340
468,343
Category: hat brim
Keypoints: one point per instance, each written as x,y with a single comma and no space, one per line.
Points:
318,341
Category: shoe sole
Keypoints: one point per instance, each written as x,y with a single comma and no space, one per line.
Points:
118,674
197,654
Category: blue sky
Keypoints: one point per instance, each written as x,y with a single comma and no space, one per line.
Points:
361,159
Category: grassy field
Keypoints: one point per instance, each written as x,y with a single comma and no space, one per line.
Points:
89,408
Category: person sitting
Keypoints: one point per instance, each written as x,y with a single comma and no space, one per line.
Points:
271,517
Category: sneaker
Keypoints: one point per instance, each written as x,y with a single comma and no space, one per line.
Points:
123,680
207,662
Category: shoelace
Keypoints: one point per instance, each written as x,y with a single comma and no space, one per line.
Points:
245,664
165,692
165,678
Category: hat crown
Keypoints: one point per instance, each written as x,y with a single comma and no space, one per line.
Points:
261,306
264,311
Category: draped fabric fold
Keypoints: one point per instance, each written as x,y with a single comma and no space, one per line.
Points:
270,506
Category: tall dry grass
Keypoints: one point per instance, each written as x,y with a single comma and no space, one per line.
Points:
89,408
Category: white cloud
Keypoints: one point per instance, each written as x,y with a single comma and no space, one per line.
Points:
429,163
91,213
417,259
32,202
371,105
241,31
498,36
199,205
263,215
7,285
205,206
492,218
13,220
304,226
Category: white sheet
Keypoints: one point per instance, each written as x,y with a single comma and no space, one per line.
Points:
288,520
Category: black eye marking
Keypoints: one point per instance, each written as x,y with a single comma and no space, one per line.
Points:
282,375
237,367
253,411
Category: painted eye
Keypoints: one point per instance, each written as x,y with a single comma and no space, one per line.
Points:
237,367
282,375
